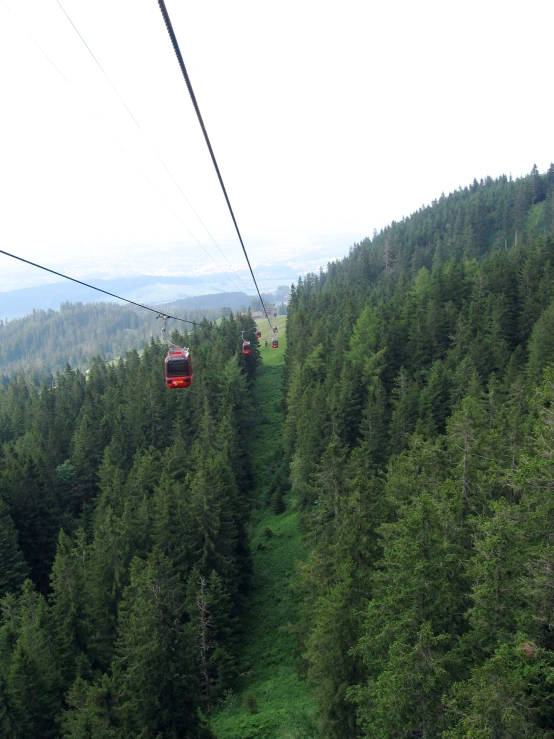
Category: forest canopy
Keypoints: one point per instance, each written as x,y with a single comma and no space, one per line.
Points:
420,389
417,452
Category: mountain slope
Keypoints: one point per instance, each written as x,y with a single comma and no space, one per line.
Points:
419,390
268,699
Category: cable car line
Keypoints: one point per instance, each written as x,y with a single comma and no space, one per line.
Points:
114,88
58,70
124,152
100,67
99,289
179,56
36,43
201,221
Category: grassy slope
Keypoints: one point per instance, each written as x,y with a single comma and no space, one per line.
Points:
268,682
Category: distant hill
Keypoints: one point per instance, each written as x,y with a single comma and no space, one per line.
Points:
234,301
201,291
145,288
46,340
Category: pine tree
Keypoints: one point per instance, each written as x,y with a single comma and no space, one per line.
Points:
92,710
155,677
404,414
211,531
541,345
497,701
34,683
411,620
13,569
67,603
107,560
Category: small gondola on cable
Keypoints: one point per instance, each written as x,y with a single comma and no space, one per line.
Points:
177,365
274,329
274,344
258,334
246,347
178,368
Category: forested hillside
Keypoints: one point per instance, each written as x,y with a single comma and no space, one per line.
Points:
124,505
46,341
153,577
420,397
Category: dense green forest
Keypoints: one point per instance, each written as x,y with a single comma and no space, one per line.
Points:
124,560
147,536
420,409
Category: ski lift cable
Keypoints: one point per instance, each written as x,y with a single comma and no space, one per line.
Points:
148,181
99,289
39,47
179,56
164,165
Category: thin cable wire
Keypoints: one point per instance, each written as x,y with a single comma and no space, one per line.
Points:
39,47
117,143
99,289
114,88
179,56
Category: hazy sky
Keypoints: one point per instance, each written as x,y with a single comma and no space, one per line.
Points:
328,119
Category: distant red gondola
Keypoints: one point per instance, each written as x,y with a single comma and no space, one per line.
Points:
274,329
274,344
246,347
258,334
274,314
178,369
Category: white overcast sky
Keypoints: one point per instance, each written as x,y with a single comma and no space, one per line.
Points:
328,119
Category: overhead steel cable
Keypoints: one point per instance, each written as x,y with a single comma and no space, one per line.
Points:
148,181
39,47
179,56
164,165
99,289
116,142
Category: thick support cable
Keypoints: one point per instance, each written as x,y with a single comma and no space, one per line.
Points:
164,165
179,56
98,289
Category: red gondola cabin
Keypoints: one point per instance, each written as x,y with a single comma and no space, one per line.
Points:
258,334
274,344
274,329
246,347
178,369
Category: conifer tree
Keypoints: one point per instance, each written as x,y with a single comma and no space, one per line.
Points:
13,569
67,603
106,576
92,711
33,680
155,676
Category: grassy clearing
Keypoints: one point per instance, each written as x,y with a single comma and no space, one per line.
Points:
268,699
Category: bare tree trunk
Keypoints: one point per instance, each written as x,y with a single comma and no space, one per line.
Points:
203,641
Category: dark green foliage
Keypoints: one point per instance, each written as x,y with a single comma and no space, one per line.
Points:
113,490
417,454
13,569
421,456
92,711
153,674
32,683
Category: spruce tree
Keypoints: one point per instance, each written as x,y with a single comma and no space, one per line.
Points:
13,569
